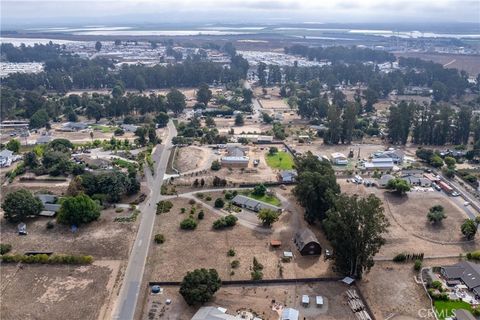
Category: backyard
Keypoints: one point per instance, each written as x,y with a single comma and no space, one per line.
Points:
280,160
445,309
268,198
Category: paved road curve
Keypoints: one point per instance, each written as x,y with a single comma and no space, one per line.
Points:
127,300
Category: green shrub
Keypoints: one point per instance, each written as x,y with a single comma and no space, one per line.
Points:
475,255
200,195
188,224
224,222
45,259
201,215
208,198
437,285
216,165
164,206
257,265
219,203
159,238
191,202
228,195
231,253
401,257
257,275
235,264
5,248
118,210
183,210
417,265
50,225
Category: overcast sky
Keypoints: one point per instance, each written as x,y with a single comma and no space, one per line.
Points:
30,12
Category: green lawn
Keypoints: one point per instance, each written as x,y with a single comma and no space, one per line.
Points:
281,160
266,198
445,308
104,129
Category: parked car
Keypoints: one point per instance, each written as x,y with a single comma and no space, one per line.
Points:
436,186
455,194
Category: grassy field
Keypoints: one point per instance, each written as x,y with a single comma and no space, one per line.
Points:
265,198
445,309
281,160
103,129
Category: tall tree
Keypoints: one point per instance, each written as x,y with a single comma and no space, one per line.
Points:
21,204
316,186
348,123
356,228
199,286
176,101
78,210
334,125
98,46
204,94
262,73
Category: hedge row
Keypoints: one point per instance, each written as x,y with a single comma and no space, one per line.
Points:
46,259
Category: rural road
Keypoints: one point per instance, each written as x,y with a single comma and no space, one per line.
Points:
127,299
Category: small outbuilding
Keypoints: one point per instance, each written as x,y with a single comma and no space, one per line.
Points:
290,314
307,243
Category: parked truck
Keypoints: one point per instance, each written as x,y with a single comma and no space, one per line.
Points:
445,187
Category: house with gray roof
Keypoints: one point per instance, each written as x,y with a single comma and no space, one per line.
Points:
50,205
290,314
287,176
252,204
465,271
74,126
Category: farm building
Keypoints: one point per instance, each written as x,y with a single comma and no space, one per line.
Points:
235,157
287,176
338,158
264,139
307,243
252,204
290,314
380,164
73,126
466,272
397,156
212,313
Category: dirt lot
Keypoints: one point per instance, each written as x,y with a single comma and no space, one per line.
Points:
52,292
225,125
252,174
103,239
390,289
409,230
184,251
258,300
193,158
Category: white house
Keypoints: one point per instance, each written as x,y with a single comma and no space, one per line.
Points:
380,164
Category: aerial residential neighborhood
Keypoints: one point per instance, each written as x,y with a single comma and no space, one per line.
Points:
247,160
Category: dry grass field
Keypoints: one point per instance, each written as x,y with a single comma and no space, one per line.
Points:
205,247
56,292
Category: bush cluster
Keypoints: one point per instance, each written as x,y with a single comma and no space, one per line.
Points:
475,255
225,222
188,224
159,238
5,248
46,259
164,206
